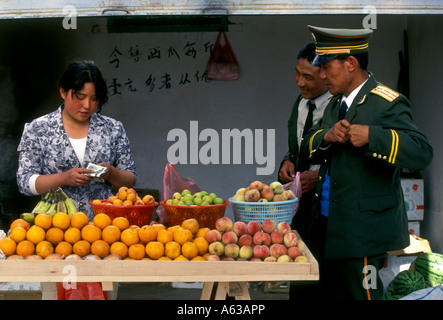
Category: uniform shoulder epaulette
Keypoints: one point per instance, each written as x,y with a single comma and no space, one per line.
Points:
385,92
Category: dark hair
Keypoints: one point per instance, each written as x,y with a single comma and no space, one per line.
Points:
80,72
362,58
307,52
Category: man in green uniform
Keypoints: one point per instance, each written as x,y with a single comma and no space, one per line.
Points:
366,136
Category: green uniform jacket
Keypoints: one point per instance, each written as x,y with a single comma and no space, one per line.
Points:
366,211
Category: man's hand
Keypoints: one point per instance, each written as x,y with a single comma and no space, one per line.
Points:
359,135
338,133
308,180
287,171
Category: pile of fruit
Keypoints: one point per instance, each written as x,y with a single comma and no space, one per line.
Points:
258,191
201,198
254,241
127,197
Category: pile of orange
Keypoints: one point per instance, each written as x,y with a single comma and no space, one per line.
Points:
127,197
62,236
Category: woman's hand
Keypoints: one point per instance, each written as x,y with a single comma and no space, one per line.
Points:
75,177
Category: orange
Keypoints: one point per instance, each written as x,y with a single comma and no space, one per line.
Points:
182,235
25,248
112,198
130,236
117,202
159,226
165,236
82,248
8,246
191,224
35,234
127,203
18,234
111,234
63,248
181,258
72,235
202,232
20,223
43,220
136,251
96,201
100,248
155,249
91,233
173,228
147,233
54,235
79,220
102,220
202,245
44,248
164,259
61,220
120,249
121,222
189,250
198,258
172,249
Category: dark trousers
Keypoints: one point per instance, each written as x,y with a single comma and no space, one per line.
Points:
340,279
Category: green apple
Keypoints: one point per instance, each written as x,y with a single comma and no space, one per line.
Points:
204,194
213,195
218,200
169,201
198,201
185,192
177,195
207,199
187,198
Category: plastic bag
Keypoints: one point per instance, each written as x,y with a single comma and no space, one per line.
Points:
222,64
173,182
84,291
295,186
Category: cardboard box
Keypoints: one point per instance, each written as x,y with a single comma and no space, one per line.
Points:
413,191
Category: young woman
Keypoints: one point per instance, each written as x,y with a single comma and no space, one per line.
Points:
56,148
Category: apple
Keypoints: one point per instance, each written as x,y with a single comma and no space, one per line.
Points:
256,185
290,239
261,238
277,250
229,237
213,235
276,187
246,252
267,193
252,195
294,252
232,250
261,251
253,227
217,248
177,195
223,224
276,237
245,240
283,227
268,225
239,228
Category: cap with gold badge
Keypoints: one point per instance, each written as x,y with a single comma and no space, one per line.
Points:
329,43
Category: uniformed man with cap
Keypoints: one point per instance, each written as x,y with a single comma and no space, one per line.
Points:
366,136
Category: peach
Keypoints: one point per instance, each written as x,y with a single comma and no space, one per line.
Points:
268,225
213,235
301,259
223,224
284,258
255,259
256,185
252,195
227,259
283,227
277,250
276,237
245,240
267,194
277,187
290,239
288,195
270,259
217,248
239,228
246,252
262,238
213,257
261,251
229,237
239,197
253,227
294,252
277,198
232,250
241,191
301,245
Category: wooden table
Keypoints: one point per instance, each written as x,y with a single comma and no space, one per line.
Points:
221,278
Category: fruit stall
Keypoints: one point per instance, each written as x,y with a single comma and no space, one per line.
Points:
57,246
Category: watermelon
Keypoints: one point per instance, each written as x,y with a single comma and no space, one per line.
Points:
404,283
430,266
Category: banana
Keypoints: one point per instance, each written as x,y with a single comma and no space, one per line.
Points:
61,207
70,206
41,203
52,209
45,207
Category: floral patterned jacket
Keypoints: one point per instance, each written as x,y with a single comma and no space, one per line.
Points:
45,149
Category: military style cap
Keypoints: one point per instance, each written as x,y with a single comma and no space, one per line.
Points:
329,43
